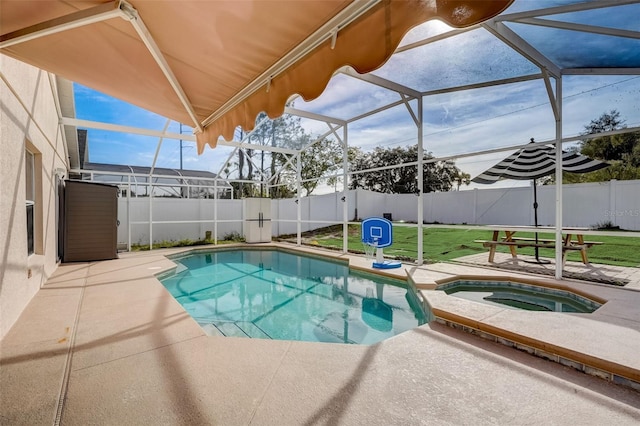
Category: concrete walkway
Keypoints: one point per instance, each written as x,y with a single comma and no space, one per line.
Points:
105,343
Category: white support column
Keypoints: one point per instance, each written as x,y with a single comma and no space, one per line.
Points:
215,211
150,213
128,212
420,259
299,200
559,265
345,187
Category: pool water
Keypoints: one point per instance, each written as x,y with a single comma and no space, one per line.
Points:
273,294
520,296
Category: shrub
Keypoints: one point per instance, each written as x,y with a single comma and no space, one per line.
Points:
233,236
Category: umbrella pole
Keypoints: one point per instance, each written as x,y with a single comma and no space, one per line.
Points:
535,216
535,222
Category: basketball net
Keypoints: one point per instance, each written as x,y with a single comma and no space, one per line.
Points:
370,248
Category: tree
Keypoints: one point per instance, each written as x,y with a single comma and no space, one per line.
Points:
621,151
462,178
317,160
437,176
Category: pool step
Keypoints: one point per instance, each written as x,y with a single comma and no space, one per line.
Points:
233,329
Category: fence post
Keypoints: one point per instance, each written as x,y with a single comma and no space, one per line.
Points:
475,206
128,212
612,202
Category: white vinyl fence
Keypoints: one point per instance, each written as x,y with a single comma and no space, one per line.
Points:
584,205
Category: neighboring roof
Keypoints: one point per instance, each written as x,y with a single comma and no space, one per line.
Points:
217,64
157,171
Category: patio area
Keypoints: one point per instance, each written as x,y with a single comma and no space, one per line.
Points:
105,343
593,272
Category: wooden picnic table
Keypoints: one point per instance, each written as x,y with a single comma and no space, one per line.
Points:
573,239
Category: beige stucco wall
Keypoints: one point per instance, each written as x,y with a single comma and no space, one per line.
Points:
28,118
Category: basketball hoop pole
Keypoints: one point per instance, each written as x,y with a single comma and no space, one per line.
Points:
379,255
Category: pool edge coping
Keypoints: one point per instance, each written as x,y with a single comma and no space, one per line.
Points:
595,366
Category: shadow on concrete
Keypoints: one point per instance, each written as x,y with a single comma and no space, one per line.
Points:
331,412
549,372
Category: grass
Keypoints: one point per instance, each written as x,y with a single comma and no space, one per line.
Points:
443,244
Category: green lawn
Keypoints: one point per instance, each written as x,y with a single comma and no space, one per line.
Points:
442,244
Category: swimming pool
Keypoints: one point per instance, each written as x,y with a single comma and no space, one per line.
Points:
515,295
274,294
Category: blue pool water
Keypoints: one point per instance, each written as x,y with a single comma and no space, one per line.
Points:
274,294
516,295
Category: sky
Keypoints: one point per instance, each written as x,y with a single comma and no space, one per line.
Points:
454,123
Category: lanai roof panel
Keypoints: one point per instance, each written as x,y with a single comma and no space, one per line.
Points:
574,49
470,58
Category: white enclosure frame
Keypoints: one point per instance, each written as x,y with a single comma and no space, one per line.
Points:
550,73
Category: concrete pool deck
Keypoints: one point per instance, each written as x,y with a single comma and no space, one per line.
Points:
105,343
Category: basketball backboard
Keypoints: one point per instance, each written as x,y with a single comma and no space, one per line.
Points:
377,231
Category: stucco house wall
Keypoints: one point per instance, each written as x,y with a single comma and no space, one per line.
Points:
28,120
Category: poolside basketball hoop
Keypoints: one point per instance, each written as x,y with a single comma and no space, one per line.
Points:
377,233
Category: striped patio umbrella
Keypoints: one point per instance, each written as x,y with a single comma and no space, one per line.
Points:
534,163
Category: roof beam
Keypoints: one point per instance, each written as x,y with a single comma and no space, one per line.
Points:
256,167
341,20
226,163
517,43
601,71
159,134
576,7
268,148
433,39
125,129
332,130
510,148
382,82
115,9
485,84
283,167
314,116
63,23
569,26
589,136
132,14
415,118
377,110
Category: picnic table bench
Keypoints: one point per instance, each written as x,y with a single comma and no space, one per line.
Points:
510,240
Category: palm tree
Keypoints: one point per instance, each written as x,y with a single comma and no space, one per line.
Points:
461,178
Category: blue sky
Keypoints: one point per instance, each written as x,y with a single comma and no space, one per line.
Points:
454,123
